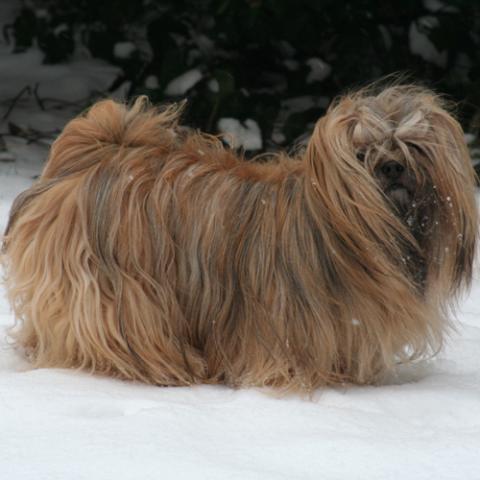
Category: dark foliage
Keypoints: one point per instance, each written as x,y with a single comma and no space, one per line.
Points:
277,61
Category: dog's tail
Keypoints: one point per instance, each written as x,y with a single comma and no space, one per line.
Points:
84,246
111,135
108,127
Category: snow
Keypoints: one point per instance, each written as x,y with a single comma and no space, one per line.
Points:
57,424
319,70
59,29
213,85
123,49
421,45
424,423
6,157
152,82
72,81
247,135
184,82
42,99
439,6
300,104
470,138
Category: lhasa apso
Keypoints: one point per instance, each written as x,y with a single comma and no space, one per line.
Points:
148,252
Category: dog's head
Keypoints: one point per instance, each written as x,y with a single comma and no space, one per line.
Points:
392,137
396,164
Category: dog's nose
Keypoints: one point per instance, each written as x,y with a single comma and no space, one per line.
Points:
392,169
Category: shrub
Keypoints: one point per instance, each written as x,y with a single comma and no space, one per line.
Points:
277,62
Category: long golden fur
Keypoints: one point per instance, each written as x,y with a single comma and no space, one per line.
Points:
150,253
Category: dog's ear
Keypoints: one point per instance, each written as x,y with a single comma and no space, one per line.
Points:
450,211
346,195
364,241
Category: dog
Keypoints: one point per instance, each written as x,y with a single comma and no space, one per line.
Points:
153,253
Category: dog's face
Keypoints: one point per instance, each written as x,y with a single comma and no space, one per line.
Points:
403,179
396,180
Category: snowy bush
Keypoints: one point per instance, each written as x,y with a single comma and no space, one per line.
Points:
278,62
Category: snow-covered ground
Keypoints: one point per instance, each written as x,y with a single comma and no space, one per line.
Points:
57,424
60,424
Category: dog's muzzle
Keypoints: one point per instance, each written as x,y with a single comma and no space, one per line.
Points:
396,183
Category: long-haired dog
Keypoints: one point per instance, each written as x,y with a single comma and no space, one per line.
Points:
149,252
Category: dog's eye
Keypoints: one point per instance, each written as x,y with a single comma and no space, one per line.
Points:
414,147
361,156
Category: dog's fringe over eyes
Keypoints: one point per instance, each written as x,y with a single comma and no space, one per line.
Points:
148,252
